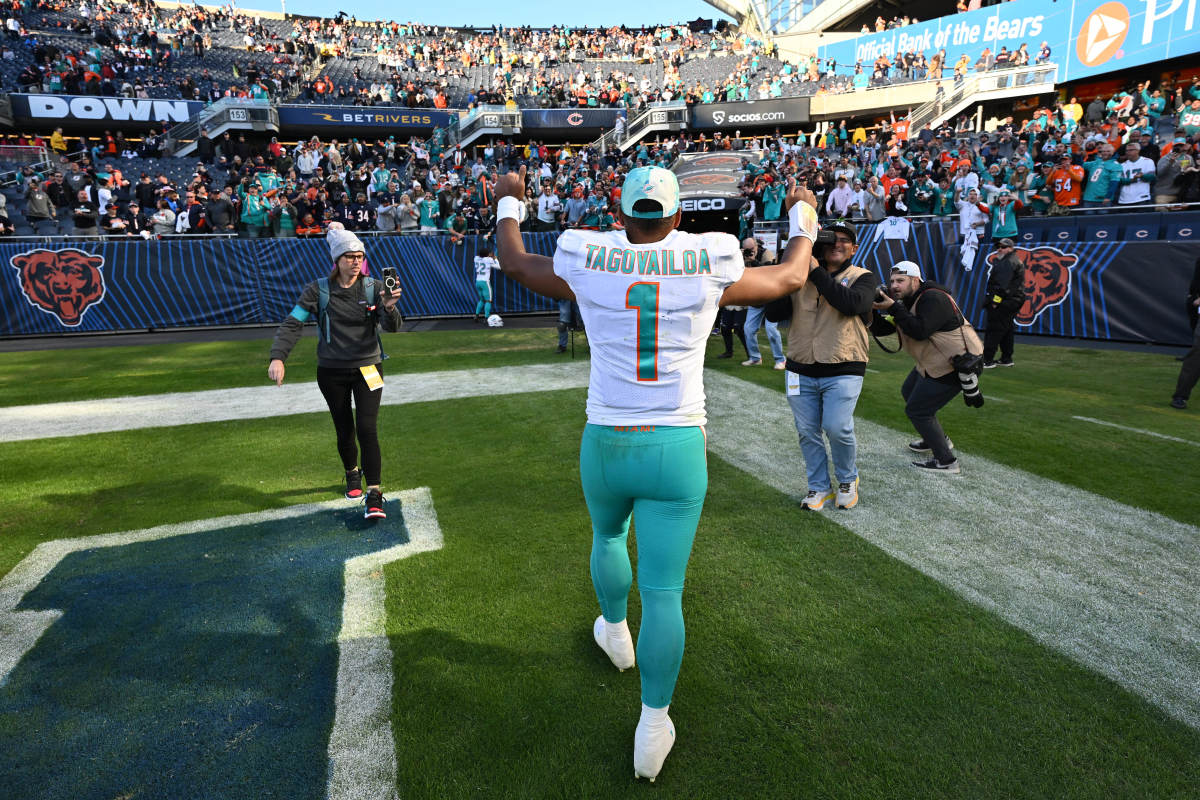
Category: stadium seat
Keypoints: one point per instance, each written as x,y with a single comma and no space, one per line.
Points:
1098,231
1182,226
1059,230
1145,228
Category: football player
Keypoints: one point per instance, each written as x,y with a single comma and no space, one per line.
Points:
648,295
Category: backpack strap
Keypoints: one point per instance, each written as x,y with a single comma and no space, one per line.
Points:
323,308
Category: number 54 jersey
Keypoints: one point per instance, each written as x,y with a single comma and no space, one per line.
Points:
648,310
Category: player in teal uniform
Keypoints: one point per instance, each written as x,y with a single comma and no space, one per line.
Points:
648,295
484,264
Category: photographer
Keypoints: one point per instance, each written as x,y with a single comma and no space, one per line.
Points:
826,360
934,332
350,310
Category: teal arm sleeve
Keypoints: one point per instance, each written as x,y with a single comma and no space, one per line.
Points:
300,314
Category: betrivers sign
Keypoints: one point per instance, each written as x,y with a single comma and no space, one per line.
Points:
120,109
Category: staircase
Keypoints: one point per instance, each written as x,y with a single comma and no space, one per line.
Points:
484,121
223,115
672,116
978,87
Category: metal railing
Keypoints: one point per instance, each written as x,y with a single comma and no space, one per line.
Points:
1032,80
656,116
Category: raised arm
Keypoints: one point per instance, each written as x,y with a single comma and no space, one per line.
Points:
761,285
532,271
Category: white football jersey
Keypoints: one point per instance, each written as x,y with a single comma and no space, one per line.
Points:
483,268
648,310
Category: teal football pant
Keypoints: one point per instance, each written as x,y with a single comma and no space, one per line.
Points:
659,476
484,290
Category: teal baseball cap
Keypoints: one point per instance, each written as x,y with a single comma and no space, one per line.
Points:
650,183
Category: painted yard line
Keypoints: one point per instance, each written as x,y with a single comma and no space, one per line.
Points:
1111,586
1142,431
22,423
873,371
362,751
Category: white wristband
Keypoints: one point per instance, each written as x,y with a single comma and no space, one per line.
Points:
803,219
510,208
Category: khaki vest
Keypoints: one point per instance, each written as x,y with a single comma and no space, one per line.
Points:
933,354
820,334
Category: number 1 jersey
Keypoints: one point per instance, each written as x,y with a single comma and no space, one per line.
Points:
648,310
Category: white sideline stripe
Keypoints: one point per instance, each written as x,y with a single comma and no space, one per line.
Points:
1112,586
77,418
362,751
1142,431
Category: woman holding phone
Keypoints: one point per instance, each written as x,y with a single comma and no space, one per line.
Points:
350,309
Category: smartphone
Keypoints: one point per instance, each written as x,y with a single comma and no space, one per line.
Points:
391,281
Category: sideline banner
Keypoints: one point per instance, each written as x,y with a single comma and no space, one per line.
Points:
1086,37
383,117
780,111
1094,290
67,287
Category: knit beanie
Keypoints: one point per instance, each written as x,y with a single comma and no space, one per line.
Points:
342,241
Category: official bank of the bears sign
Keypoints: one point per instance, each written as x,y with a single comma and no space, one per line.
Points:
1085,37
73,108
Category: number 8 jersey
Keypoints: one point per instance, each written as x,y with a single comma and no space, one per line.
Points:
648,310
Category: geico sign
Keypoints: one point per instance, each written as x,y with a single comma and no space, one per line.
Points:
721,118
115,108
716,204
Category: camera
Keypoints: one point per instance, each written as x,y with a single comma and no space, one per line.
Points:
825,237
969,367
881,294
391,281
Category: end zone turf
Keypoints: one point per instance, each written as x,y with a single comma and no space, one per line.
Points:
240,656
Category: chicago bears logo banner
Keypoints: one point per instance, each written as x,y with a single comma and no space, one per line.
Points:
1047,279
1125,291
63,283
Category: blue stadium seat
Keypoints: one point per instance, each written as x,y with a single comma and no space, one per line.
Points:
1182,226
1097,230
1061,229
1145,228
1030,231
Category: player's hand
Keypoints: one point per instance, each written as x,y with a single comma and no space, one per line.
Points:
511,184
275,371
796,194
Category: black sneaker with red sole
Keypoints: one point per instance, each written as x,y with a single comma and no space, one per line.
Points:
374,509
354,484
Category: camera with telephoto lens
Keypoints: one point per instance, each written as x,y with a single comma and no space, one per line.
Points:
391,282
969,367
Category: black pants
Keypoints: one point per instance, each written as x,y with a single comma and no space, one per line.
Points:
339,386
733,321
1189,373
923,398
999,334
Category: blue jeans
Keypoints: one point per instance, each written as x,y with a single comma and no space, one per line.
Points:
827,404
568,313
754,321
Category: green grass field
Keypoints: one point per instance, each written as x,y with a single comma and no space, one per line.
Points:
817,665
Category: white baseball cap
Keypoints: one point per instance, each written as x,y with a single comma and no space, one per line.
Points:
650,183
907,268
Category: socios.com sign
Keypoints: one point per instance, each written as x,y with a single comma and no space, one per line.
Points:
1086,37
783,111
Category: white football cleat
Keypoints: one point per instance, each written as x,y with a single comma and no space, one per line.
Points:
651,743
615,641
